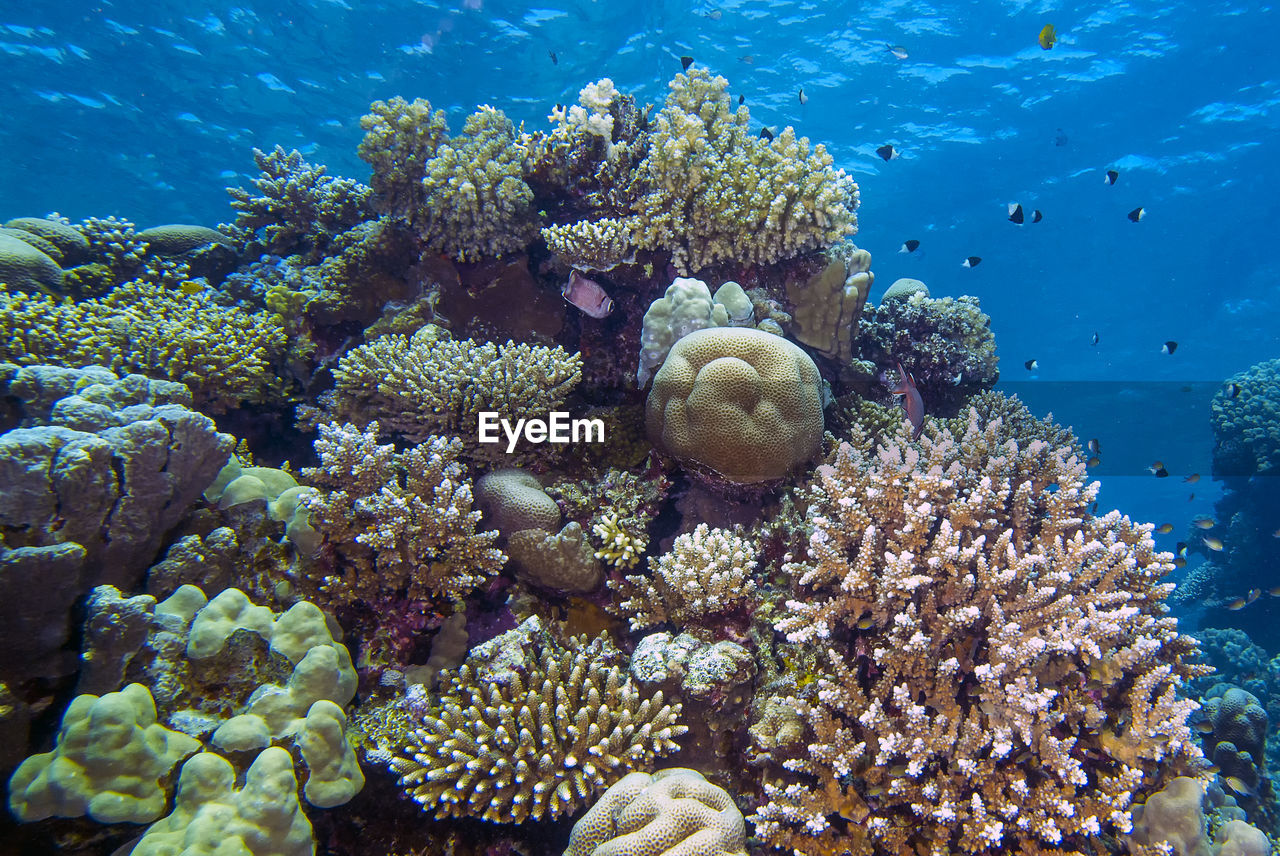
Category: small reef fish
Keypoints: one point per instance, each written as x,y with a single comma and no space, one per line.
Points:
1031,365
1169,347
1180,550
1214,544
1036,216
1238,785
766,135
912,403
971,262
1111,176
1204,523
587,295
909,246
1093,462
1274,591
888,152
685,62
1137,214
1165,528
742,99
1192,479
1015,213
1048,36
749,59
1095,447
804,99
1236,604
715,14
898,51
555,60
1095,339
1232,390
1158,470
1254,594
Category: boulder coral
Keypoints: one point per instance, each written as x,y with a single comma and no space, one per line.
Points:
738,404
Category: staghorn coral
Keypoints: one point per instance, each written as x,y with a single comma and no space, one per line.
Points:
706,576
996,671
946,343
716,192
531,728
619,546
400,524
114,242
421,385
1246,424
295,207
226,355
464,196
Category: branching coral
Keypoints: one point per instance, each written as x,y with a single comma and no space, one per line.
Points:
421,385
464,196
716,192
530,728
226,355
706,575
295,206
997,671
400,523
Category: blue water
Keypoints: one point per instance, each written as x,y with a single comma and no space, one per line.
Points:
148,111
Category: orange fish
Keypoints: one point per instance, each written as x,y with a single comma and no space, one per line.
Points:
1192,479
1237,603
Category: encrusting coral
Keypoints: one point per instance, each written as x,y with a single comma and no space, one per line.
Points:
423,385
706,576
529,728
399,525
996,670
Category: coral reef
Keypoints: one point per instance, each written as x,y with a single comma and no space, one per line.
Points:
996,667
703,580
423,385
25,268
1173,821
827,305
1237,743
71,246
514,500
716,192
674,811
945,343
464,196
396,525
1246,424
741,404
688,305
530,728
563,561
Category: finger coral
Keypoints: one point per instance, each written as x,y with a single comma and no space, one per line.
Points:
401,523
423,385
531,728
706,575
997,672
716,192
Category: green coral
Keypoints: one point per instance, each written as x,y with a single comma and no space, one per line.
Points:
25,268
464,196
719,193
226,355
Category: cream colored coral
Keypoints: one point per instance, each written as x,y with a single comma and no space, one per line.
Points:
741,403
515,500
418,386
110,762
996,663
592,244
537,740
706,574
618,546
827,305
674,812
562,561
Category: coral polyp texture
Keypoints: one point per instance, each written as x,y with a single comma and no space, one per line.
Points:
706,576
465,196
530,728
717,192
1246,422
740,404
401,524
420,385
996,669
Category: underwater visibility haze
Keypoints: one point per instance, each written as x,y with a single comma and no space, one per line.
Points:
608,429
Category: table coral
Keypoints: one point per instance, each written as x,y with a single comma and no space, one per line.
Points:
741,404
422,385
399,524
717,192
674,812
535,732
997,670
703,579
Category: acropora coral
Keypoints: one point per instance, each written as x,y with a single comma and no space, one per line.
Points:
997,669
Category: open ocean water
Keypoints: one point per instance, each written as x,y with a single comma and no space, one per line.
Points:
1126,326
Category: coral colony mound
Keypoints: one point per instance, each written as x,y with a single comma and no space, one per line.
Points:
547,495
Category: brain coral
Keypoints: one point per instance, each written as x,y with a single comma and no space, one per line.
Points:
24,268
740,403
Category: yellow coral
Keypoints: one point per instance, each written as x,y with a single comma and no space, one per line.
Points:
618,546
